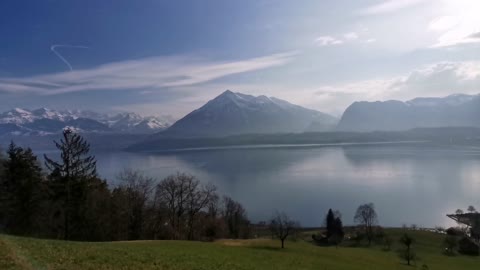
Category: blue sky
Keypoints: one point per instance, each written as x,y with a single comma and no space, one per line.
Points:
169,57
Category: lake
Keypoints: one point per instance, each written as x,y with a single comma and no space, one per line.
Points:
409,184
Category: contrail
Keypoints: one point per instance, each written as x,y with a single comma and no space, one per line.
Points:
53,47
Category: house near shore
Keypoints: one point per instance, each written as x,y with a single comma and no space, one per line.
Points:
472,221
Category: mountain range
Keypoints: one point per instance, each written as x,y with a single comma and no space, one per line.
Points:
45,121
232,114
452,111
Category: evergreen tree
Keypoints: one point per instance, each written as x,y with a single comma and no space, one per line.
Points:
21,191
333,222
71,178
330,223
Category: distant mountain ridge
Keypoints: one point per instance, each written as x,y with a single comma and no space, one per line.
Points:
457,110
45,121
236,113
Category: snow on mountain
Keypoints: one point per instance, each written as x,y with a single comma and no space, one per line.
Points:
236,113
48,121
16,116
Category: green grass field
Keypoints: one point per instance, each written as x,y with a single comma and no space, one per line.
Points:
28,253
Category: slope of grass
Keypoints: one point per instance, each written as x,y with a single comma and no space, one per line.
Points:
28,253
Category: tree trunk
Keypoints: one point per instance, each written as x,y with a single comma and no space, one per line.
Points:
408,255
283,240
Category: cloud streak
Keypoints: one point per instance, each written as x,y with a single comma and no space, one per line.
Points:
143,74
53,47
389,6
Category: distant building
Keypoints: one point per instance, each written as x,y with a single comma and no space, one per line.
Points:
472,221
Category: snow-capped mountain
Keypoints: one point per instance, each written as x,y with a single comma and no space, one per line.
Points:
457,110
235,113
47,121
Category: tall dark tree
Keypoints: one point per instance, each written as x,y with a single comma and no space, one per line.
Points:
71,177
366,216
334,226
21,191
3,206
330,223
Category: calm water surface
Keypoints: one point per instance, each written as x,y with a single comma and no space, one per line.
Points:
409,184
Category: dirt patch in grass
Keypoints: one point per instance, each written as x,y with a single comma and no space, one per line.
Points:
240,242
9,259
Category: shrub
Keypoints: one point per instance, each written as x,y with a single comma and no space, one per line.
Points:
450,242
468,247
454,231
387,243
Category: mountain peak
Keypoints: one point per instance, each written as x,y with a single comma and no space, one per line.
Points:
227,92
236,113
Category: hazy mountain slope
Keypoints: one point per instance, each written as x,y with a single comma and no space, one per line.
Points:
235,113
451,111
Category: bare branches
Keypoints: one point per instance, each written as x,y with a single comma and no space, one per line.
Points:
367,217
184,197
282,226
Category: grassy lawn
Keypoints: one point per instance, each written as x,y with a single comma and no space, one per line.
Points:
28,253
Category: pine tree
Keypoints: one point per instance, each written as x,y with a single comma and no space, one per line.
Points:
333,222
71,177
22,190
330,223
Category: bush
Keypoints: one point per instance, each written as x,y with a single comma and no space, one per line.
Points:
454,231
468,247
387,243
450,242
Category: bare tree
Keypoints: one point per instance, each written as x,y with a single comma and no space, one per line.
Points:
282,226
367,217
407,253
471,209
137,189
234,216
184,197
198,198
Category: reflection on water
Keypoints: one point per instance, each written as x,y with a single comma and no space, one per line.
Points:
408,184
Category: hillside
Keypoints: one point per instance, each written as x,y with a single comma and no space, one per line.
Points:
393,115
26,253
467,136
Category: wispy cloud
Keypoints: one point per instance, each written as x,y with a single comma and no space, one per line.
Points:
440,79
144,74
389,6
434,80
327,41
349,37
458,24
